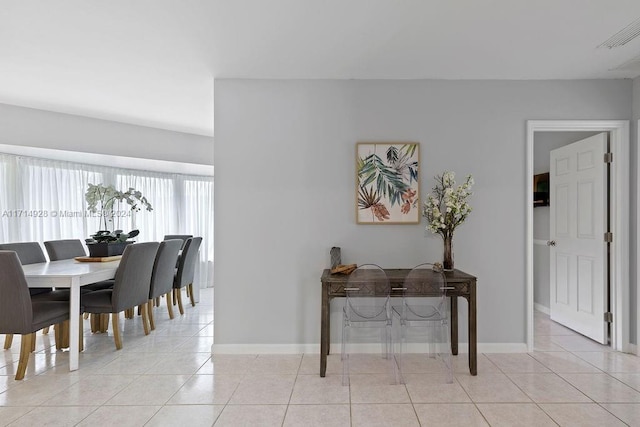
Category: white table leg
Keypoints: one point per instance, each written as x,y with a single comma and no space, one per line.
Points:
74,324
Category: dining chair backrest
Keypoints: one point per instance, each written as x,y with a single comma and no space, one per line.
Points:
133,277
182,237
367,295
28,252
64,249
16,312
426,308
164,267
187,262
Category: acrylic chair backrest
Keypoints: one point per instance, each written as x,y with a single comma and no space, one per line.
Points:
421,278
367,294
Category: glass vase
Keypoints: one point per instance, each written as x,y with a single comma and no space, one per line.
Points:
447,259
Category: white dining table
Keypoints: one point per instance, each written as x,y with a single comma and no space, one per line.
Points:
70,274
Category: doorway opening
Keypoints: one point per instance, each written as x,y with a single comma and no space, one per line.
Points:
619,217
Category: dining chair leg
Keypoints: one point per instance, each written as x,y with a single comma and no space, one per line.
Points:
57,334
65,334
179,295
93,323
145,317
152,323
104,322
191,296
175,296
86,316
33,342
25,350
45,331
157,301
99,321
169,306
8,340
116,331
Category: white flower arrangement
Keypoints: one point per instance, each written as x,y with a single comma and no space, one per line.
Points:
446,207
101,199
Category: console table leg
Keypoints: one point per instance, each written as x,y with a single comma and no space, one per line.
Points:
454,325
473,334
324,331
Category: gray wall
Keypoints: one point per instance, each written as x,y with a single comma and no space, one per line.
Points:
46,129
285,190
543,143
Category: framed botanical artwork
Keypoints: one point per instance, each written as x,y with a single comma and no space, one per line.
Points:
387,185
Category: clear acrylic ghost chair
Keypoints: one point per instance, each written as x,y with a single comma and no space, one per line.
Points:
367,307
424,319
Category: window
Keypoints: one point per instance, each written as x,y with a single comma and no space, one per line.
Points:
43,199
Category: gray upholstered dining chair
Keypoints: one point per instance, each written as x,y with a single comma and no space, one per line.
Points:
130,287
28,253
68,249
19,313
182,237
31,253
163,275
64,249
186,271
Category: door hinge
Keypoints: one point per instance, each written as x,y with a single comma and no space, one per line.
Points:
608,237
608,157
608,317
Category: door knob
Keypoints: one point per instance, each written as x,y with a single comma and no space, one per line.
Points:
551,242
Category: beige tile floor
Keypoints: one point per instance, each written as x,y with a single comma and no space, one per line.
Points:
169,379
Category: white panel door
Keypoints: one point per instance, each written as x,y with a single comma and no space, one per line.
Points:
577,248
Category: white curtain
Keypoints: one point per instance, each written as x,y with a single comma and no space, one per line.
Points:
197,196
8,204
52,195
43,199
159,190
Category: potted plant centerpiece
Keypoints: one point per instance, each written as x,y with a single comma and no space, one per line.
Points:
102,200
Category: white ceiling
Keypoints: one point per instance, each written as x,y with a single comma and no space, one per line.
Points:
152,62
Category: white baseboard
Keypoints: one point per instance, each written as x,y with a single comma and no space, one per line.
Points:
541,308
633,349
358,348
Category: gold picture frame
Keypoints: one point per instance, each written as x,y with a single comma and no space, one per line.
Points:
387,183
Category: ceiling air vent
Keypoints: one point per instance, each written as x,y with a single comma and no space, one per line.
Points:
623,36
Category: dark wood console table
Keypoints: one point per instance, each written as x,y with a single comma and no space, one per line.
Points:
465,286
